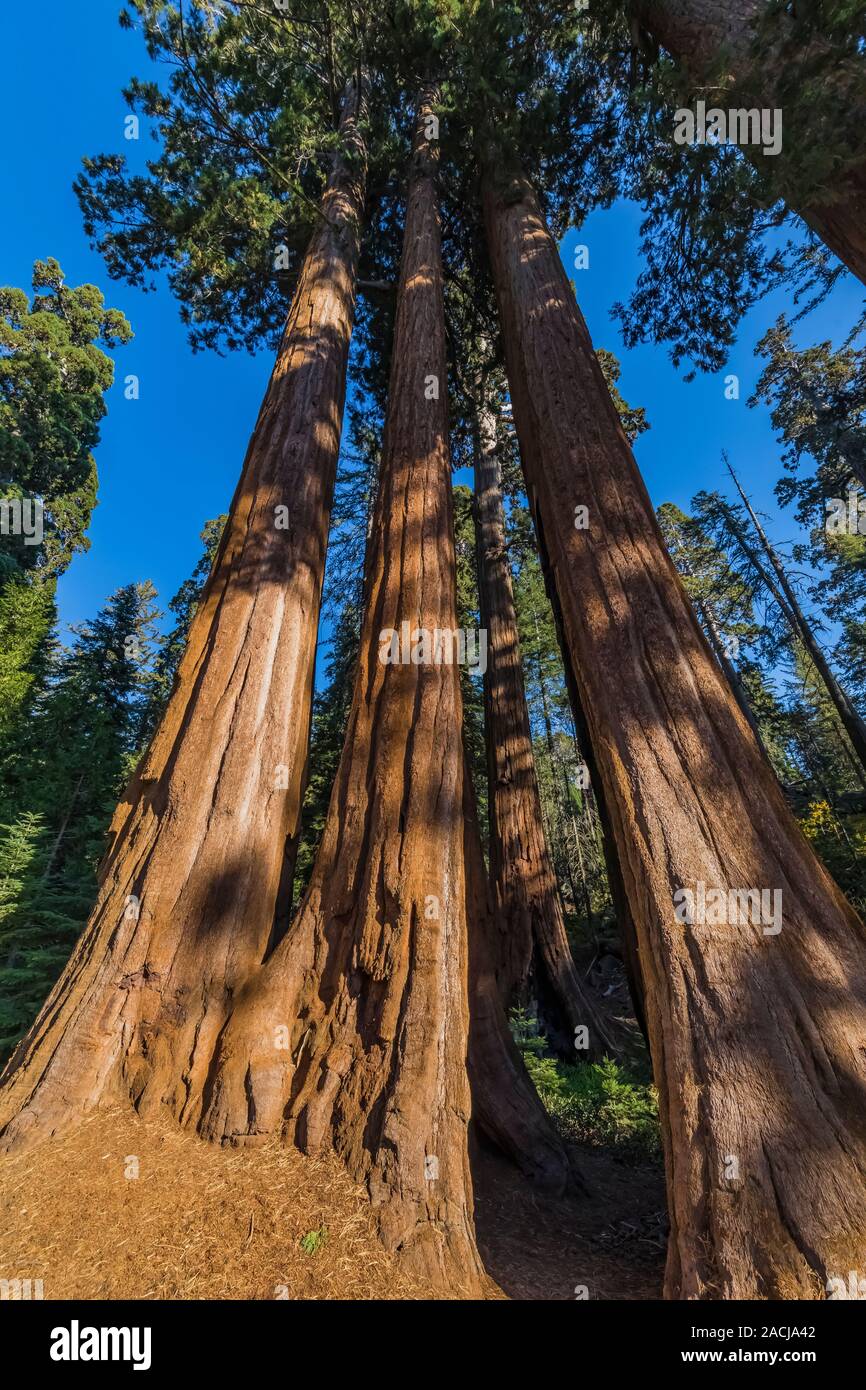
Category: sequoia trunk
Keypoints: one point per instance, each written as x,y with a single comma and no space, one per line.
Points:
533,954
188,887
758,1034
355,1032
701,35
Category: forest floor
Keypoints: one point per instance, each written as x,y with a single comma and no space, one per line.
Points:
200,1222
607,1243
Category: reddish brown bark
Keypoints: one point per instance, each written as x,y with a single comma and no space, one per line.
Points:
706,37
188,888
533,956
758,1040
368,990
505,1107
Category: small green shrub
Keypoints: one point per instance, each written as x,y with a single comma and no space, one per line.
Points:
596,1103
314,1240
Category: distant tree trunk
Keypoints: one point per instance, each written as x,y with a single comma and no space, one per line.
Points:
554,768
505,1106
355,1032
783,592
188,888
533,955
613,869
706,612
758,1037
700,35
57,842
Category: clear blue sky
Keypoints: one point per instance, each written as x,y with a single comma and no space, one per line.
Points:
169,460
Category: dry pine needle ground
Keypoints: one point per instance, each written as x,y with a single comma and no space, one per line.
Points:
199,1222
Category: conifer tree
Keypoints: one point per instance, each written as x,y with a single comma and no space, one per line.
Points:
806,63
218,794
71,764
682,778
744,531
53,378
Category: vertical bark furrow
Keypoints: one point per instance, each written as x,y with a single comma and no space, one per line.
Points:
199,836
692,802
533,953
370,981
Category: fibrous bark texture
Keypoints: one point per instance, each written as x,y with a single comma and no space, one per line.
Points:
355,1032
756,1010
705,37
505,1105
533,956
189,885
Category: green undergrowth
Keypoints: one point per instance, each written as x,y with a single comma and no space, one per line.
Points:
603,1104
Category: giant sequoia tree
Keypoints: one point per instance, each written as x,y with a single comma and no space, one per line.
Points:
731,1010
189,887
372,1020
375,1012
371,981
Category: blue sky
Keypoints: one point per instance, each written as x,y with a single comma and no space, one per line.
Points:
170,460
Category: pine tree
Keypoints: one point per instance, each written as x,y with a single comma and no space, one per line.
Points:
721,599
817,400
53,379
793,716
817,397
183,606
73,760
744,532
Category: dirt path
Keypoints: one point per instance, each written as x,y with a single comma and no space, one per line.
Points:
610,1241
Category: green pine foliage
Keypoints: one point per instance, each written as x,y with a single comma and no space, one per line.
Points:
60,786
718,232
27,613
799,726
817,401
53,378
183,607
41,914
